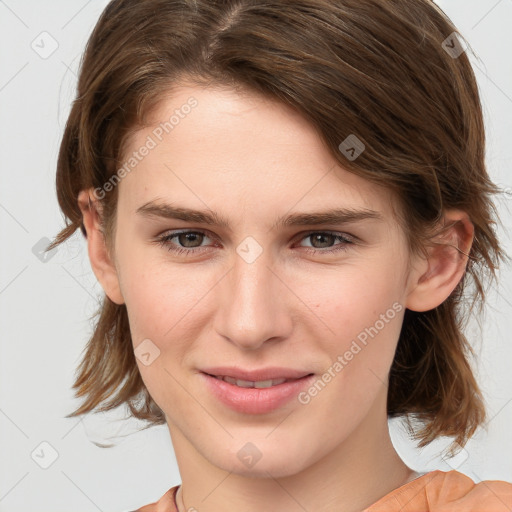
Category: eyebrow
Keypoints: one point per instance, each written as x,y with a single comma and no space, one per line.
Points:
331,216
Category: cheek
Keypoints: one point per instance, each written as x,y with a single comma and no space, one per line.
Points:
366,330
352,299
158,295
162,308
364,313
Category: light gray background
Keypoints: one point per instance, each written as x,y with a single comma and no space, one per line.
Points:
45,306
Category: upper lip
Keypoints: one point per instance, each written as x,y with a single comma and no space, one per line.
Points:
256,375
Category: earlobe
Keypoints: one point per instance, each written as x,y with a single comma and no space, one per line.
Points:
101,263
434,278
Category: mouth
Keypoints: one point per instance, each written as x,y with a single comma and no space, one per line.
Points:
256,396
260,384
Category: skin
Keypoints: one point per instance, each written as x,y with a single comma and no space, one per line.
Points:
252,160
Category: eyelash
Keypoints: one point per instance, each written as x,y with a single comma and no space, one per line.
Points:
164,240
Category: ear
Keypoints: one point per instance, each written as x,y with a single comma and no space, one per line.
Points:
433,279
101,263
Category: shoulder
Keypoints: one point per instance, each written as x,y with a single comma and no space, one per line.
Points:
457,492
452,491
166,503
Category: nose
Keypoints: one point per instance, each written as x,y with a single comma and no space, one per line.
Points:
253,304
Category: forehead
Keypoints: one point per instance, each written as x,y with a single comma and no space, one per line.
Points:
238,151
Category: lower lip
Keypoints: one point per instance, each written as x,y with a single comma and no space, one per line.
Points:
255,400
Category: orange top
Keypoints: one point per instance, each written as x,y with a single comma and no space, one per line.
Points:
437,491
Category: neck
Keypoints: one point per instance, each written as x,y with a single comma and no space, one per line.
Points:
362,469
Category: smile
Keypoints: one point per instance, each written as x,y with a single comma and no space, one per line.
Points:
252,384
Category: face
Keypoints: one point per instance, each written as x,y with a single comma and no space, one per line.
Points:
250,291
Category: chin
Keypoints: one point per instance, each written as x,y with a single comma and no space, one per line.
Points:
278,469
272,461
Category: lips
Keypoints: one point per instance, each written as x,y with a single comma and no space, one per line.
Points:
255,396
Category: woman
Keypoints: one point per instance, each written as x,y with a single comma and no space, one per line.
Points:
284,202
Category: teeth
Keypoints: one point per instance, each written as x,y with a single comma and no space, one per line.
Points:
268,383
250,384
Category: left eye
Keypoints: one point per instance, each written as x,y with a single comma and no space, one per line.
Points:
189,238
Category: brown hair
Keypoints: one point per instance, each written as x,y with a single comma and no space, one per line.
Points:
379,69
